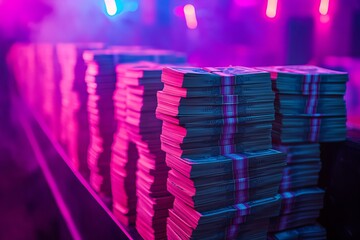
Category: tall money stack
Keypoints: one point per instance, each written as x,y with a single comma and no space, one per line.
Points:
101,84
137,158
309,108
47,86
21,61
101,80
217,137
74,134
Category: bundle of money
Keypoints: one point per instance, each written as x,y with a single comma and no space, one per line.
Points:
309,104
232,222
303,165
310,232
215,111
220,181
299,208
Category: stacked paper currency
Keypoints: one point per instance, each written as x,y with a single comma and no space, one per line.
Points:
217,137
309,103
311,232
309,108
136,156
74,119
47,86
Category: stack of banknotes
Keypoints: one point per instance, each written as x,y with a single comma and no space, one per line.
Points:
216,133
74,119
311,232
298,208
309,104
101,84
309,108
138,167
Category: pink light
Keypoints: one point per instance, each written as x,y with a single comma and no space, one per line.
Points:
245,3
324,7
179,11
324,18
190,16
271,8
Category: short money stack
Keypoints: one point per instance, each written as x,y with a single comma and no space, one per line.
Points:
74,119
309,108
216,135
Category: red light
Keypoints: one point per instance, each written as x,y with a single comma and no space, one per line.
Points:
324,7
190,16
271,8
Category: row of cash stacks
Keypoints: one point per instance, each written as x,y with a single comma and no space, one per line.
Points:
192,153
211,153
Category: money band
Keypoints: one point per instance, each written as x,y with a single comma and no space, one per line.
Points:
241,187
288,200
242,210
285,149
241,177
315,125
286,180
229,108
311,87
283,221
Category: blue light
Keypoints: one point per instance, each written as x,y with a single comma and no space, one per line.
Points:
132,6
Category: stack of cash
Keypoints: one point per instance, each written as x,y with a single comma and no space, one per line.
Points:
138,169
101,84
74,119
216,133
309,108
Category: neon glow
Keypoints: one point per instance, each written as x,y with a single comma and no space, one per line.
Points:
179,11
111,7
271,8
324,18
246,3
190,16
132,6
324,7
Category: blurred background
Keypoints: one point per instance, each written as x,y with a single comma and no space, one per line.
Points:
248,32
211,33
